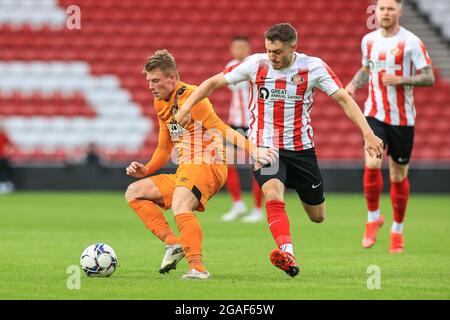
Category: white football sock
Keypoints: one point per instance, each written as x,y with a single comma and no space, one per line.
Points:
257,212
288,247
397,227
373,216
239,204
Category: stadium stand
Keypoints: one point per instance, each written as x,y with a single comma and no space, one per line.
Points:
438,12
61,89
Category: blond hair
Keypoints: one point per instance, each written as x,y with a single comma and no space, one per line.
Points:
163,61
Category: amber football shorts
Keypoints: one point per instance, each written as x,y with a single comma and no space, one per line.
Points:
204,180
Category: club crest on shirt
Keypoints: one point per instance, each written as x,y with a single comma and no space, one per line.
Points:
297,79
175,130
396,51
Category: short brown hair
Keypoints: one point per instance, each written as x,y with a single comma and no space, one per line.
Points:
283,32
162,60
400,2
240,38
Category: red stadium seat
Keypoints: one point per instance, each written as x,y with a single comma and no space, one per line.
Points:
118,35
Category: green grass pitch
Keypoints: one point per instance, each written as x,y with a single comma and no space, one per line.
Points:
42,234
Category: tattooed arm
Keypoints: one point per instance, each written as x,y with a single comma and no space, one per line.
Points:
424,79
360,79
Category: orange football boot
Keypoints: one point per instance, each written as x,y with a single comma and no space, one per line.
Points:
284,261
370,235
396,242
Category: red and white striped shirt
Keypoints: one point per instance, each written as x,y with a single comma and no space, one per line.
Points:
399,55
239,116
282,100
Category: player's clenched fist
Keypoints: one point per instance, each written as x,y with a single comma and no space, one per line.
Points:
264,156
183,117
137,170
373,146
351,89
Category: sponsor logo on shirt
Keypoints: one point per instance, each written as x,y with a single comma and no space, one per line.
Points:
377,66
277,94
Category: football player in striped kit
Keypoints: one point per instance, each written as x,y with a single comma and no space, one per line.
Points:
283,83
394,60
238,119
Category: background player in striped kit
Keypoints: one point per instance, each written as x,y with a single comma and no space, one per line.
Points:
238,119
284,82
6,185
390,58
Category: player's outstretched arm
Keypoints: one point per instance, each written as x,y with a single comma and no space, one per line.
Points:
204,113
360,79
206,88
373,144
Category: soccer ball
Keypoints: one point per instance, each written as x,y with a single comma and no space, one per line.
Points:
98,260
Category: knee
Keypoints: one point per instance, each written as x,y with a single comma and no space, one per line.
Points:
397,177
318,215
373,164
180,205
131,192
317,218
271,193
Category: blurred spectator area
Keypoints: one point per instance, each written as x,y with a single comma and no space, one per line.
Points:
62,89
438,12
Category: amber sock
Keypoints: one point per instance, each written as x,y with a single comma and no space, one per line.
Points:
154,220
191,239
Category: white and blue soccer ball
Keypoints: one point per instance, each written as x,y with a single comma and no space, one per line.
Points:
98,260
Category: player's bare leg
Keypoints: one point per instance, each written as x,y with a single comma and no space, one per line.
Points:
399,198
143,196
283,257
184,203
316,213
144,189
373,185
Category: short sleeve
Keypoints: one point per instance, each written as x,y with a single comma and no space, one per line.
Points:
326,79
419,54
240,71
365,57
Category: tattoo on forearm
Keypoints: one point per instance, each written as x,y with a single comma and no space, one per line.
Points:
360,79
424,79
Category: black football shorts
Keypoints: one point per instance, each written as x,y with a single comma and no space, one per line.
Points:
297,170
398,140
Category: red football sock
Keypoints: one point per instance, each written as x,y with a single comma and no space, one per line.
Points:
233,183
399,199
257,194
278,222
373,185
